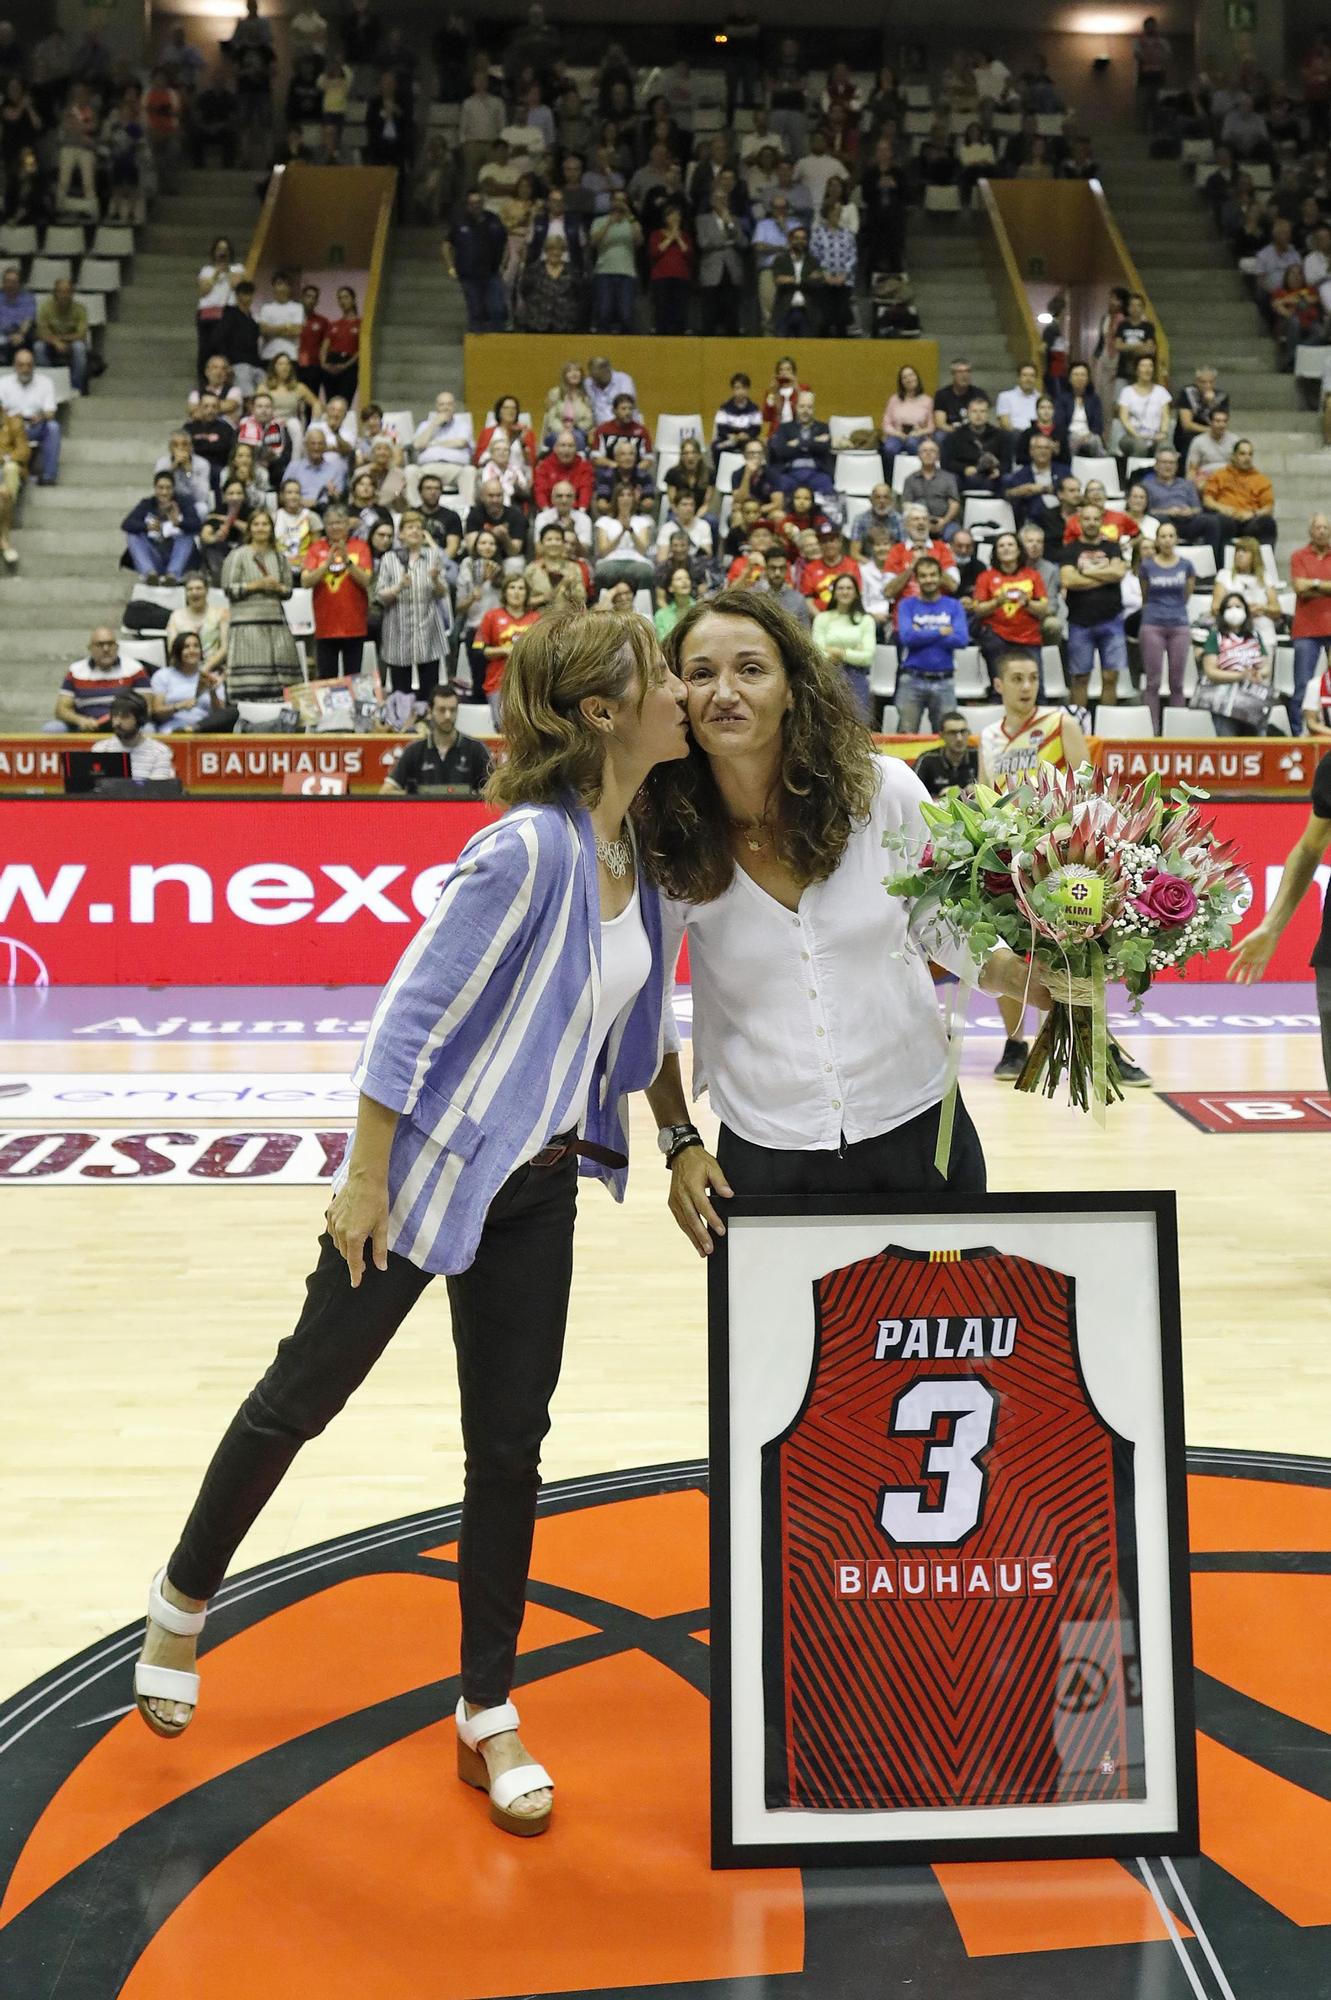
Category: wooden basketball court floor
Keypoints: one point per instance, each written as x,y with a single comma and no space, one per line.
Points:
136,1318
306,1830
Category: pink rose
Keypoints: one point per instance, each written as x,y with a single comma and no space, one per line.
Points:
927,858
1165,900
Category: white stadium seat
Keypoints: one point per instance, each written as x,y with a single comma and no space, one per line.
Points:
1187,723
1128,719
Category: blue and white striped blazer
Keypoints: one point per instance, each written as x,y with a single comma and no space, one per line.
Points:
480,1036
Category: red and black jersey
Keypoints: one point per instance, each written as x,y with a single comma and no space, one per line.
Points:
949,1551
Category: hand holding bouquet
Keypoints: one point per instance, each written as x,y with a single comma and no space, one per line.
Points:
1088,878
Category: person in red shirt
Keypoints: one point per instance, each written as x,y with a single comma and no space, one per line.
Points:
1115,526
749,568
1009,604
670,264
817,578
563,461
779,404
337,569
601,444
496,635
801,515
340,357
1310,574
313,334
899,569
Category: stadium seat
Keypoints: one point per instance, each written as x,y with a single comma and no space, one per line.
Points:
465,490
942,200
1104,469
995,515
113,239
1202,559
902,467
843,429
1190,723
1283,676
1278,720
60,382
981,713
474,719
1136,465
889,722
44,272
1312,361
18,240
727,465
94,304
150,652
401,425
883,672
1197,152
972,675
857,471
671,431
1055,680
1128,719
99,274
299,608
64,239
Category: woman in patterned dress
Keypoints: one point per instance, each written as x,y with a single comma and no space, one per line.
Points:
262,657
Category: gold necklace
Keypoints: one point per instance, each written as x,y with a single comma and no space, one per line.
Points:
753,831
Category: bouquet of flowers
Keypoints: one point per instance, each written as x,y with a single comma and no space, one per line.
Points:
1090,879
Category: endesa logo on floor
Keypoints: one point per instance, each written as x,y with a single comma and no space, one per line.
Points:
243,893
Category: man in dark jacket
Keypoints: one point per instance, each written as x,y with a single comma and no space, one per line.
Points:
798,277
976,452
553,211
801,451
473,253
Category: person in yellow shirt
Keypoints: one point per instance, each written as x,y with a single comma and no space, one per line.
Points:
1243,495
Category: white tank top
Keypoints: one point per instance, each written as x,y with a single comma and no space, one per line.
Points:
626,961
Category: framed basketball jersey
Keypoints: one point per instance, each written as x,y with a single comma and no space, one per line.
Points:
950,1606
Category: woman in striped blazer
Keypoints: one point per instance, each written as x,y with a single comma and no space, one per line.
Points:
527,1007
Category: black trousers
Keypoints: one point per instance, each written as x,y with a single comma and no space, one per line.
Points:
899,1162
509,1311
335,657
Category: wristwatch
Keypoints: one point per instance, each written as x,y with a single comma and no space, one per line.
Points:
673,1139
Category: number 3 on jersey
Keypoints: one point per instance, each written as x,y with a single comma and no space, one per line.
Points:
968,1409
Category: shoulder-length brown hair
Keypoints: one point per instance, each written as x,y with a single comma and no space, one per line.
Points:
825,784
554,666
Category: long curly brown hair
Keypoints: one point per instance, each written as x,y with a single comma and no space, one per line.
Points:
824,788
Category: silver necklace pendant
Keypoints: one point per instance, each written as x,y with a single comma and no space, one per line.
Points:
616,856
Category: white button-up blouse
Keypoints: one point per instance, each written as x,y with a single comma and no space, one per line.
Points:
820,1023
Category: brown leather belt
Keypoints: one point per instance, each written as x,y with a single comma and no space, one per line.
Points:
586,1149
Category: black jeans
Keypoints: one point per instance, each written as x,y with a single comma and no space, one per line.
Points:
335,657
509,1310
1323,976
899,1162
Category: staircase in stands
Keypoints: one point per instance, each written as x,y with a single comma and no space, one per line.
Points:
419,327
1206,310
954,299
69,538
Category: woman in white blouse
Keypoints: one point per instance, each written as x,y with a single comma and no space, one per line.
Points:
1245,577
816,1030
217,283
624,542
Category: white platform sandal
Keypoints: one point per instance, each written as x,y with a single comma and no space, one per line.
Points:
167,1683
473,1730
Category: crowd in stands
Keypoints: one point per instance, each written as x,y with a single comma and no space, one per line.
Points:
923,546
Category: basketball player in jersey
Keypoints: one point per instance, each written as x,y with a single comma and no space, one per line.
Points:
970,1567
1012,748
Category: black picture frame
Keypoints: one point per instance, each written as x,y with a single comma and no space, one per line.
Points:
1183,1837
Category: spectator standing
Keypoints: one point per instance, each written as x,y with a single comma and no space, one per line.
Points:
262,658
62,334
931,629
337,569
883,197
615,240
671,254
160,533
1167,582
1310,574
90,684
1009,606
1092,576
845,635
1242,496
832,246
412,589
624,539
796,284
217,281
310,344
473,254
442,756
550,292
1133,336
497,634
481,118
339,357
280,323
1144,414
1078,412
